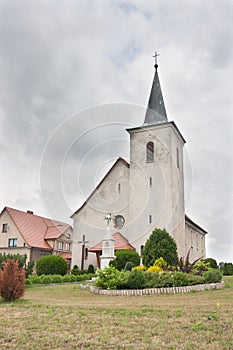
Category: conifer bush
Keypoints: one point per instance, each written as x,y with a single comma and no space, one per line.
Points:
160,244
12,280
91,269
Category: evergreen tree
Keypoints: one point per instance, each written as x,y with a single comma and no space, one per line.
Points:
160,244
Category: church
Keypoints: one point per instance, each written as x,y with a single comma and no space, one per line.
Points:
145,193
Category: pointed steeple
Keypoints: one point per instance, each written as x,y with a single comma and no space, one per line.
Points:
156,112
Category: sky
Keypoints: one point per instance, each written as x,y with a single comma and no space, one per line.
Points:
75,74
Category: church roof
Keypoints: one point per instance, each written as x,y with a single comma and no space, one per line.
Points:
120,243
156,111
191,222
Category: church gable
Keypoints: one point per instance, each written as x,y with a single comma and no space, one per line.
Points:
111,192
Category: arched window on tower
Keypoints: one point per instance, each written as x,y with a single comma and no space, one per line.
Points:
150,152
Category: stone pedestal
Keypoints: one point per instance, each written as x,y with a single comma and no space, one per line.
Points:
107,249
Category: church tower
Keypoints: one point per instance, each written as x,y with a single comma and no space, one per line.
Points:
156,175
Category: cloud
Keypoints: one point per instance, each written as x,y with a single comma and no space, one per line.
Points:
60,58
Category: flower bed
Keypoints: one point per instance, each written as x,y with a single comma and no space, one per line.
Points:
154,291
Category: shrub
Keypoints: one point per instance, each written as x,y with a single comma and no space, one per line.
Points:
12,280
195,279
91,269
123,256
57,278
160,244
140,268
110,278
184,264
135,280
128,266
33,279
29,268
180,279
227,269
69,278
51,265
20,258
212,276
158,280
160,263
201,266
76,271
154,269
212,262
45,279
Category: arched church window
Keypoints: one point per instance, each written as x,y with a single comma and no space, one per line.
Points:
150,181
141,249
150,152
177,158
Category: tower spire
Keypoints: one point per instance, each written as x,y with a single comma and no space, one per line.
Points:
156,112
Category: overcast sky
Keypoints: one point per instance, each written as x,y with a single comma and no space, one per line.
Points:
75,74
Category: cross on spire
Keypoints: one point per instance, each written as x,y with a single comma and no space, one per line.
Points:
155,57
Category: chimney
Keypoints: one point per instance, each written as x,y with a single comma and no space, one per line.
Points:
30,212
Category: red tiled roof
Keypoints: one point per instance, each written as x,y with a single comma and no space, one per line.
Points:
36,229
65,255
120,243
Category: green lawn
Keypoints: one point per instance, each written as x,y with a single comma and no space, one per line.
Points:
66,317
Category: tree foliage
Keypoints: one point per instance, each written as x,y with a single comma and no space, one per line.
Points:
22,260
123,256
212,262
160,244
12,280
51,265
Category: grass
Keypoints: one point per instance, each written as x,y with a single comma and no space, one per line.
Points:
66,317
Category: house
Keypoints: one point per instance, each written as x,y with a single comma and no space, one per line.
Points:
26,233
145,193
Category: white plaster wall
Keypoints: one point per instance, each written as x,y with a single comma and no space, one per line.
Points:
89,220
195,242
164,200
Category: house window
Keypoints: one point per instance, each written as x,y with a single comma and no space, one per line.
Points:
150,152
60,245
86,253
150,219
4,227
177,158
68,246
12,242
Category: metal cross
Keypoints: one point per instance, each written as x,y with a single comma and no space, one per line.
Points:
155,57
156,63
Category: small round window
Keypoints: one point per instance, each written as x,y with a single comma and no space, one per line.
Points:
119,221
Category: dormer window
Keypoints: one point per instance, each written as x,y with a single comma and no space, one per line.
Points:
150,152
4,228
